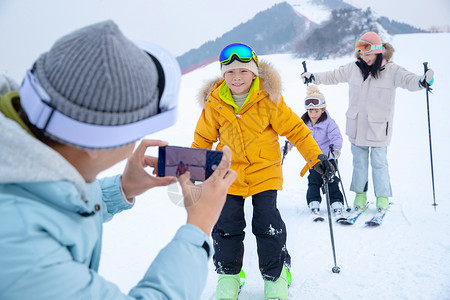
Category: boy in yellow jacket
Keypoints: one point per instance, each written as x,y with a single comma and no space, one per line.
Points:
245,110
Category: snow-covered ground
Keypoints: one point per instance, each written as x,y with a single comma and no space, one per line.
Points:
408,257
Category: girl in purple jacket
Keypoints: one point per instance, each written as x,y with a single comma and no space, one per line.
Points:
326,132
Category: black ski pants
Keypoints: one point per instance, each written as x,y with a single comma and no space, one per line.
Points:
268,227
315,182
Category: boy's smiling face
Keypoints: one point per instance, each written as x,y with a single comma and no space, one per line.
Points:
239,80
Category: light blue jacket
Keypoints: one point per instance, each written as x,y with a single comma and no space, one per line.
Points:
51,231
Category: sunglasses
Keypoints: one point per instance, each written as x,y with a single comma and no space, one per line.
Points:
366,47
313,102
241,52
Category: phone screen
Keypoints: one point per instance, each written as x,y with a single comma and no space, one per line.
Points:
175,161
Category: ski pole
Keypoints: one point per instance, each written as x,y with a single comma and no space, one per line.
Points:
284,151
304,69
339,174
427,87
327,176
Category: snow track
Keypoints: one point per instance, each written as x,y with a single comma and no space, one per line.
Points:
407,257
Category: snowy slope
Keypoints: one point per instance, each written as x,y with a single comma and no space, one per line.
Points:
408,257
316,13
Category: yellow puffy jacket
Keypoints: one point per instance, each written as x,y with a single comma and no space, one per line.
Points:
252,133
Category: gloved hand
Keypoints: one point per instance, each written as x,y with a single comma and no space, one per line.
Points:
428,77
307,77
319,168
337,153
288,148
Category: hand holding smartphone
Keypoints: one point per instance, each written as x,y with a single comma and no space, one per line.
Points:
204,202
175,161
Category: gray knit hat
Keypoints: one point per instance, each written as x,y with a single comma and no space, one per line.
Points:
97,89
96,75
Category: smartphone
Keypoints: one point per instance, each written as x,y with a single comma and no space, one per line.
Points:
201,163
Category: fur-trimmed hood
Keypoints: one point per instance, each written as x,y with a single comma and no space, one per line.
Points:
270,82
388,52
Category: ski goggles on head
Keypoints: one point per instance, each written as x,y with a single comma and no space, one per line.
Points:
366,47
314,102
241,52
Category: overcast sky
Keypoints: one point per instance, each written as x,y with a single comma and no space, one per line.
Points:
29,27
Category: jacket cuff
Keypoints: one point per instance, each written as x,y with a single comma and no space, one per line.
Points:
113,195
195,236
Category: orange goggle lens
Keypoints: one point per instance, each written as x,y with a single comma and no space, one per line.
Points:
366,47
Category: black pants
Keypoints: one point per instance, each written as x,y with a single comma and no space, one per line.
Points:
315,182
268,227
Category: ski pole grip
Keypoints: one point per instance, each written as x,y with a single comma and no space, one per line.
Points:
323,159
331,153
425,67
285,147
304,66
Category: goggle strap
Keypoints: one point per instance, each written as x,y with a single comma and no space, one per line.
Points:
240,60
170,69
91,136
161,78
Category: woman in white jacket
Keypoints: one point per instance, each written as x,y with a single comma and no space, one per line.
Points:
372,81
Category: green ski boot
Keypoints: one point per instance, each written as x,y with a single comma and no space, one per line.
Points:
229,286
382,202
278,289
360,202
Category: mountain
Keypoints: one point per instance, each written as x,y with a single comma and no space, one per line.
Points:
337,36
316,28
274,30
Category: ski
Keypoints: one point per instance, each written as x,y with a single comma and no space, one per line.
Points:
351,219
375,221
341,219
316,217
378,218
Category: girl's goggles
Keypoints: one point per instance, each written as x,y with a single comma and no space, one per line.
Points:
313,102
366,47
241,52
